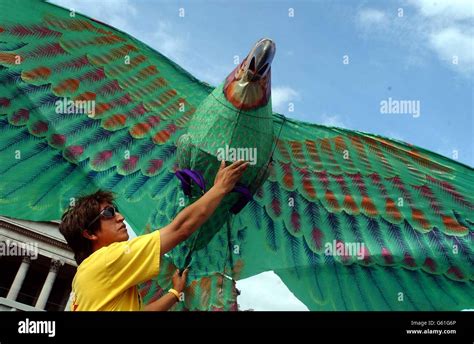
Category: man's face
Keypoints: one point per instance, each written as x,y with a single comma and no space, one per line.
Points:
111,230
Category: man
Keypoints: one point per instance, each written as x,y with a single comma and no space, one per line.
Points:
110,267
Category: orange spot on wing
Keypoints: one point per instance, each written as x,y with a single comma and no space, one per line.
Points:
101,108
139,130
283,150
307,184
308,187
10,58
453,226
162,136
313,153
332,200
36,74
86,96
327,149
350,204
420,218
426,162
287,176
297,150
369,206
392,210
115,121
147,71
67,86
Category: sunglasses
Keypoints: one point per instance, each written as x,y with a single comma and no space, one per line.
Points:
107,213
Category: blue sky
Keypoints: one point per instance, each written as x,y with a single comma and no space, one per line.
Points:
405,50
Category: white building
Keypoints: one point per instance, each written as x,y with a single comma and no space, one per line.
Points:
36,266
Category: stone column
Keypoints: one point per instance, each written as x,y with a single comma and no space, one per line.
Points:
48,283
19,279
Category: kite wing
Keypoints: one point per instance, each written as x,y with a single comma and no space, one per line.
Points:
354,221
85,106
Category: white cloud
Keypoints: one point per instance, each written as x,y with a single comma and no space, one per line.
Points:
266,292
177,48
452,42
332,121
283,95
455,9
449,31
442,26
171,45
370,16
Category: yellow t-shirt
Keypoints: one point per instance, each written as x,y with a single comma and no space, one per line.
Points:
107,279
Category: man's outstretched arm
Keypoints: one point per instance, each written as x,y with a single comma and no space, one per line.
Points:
193,216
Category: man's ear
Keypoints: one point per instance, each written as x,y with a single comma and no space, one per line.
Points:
88,235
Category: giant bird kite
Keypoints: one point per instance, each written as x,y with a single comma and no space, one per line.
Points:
153,137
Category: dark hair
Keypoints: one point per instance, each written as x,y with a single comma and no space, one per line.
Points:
76,219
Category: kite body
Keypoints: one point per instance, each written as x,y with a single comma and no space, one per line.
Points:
234,122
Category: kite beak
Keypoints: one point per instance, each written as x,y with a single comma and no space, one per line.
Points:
259,60
248,86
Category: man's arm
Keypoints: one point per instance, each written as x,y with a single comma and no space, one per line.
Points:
167,301
164,303
193,216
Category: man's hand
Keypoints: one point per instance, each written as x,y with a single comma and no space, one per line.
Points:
227,177
167,301
179,281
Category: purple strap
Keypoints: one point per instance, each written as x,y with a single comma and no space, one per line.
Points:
187,177
245,197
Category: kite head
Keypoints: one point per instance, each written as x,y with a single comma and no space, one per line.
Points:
249,85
